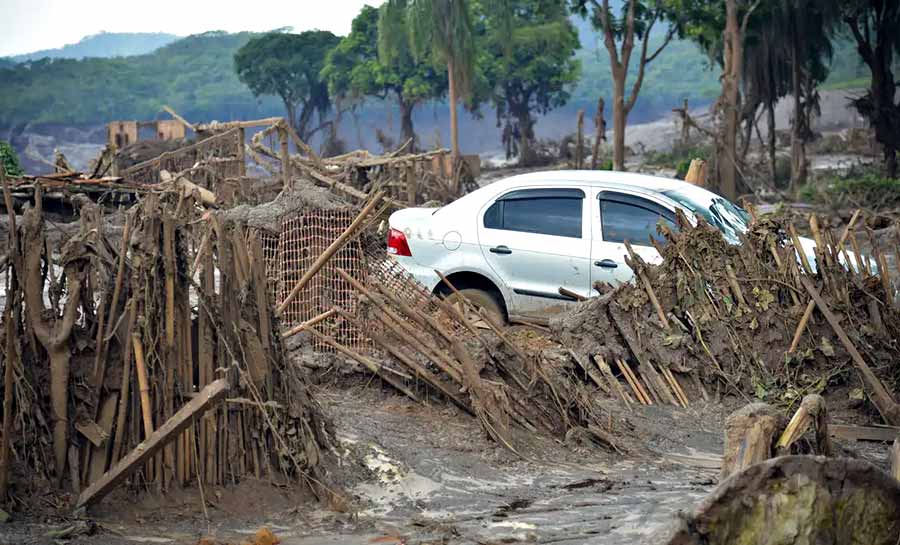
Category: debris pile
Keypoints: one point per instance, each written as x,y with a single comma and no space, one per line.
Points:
154,359
424,345
756,319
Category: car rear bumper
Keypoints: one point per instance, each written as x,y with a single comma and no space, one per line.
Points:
424,275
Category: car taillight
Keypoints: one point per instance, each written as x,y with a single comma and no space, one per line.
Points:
396,243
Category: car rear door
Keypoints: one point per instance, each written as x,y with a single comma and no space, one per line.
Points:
620,216
537,239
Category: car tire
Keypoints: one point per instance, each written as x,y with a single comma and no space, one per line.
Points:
485,301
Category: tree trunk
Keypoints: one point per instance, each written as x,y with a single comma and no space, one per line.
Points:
797,153
406,124
526,136
620,119
599,134
454,128
770,119
884,112
59,381
726,141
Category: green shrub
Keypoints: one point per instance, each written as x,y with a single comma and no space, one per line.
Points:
679,158
10,160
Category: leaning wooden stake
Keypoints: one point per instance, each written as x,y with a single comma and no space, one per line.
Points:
648,287
172,428
882,399
329,252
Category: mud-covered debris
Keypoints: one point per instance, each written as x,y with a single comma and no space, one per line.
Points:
734,309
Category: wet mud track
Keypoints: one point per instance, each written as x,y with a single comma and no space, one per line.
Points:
434,478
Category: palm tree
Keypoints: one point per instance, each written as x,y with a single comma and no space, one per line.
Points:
442,29
810,25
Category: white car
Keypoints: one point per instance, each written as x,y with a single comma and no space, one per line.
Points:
511,245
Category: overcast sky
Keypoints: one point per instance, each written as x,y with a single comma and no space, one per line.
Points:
31,25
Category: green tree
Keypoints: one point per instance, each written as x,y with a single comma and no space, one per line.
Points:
9,160
528,61
637,20
289,66
874,25
441,30
375,60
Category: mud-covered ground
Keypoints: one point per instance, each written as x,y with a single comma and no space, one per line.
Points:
430,475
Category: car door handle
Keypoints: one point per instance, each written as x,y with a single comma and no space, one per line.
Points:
606,264
500,250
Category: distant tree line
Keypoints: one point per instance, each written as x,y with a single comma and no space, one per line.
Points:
519,56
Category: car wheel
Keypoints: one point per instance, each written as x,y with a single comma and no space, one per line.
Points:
484,301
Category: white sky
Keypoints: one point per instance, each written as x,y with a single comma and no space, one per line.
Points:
31,25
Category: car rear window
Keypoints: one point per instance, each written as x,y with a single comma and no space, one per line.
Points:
556,212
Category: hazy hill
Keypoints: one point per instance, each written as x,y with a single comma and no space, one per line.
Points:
104,45
195,75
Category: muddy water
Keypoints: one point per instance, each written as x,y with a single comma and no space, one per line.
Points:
433,477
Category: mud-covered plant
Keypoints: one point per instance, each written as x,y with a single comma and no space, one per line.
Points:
52,327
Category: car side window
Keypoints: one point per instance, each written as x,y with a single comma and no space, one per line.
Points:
625,217
556,212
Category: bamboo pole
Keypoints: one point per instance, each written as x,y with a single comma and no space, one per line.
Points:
118,438
143,384
9,364
329,252
169,261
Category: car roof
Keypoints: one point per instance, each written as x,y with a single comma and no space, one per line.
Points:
596,177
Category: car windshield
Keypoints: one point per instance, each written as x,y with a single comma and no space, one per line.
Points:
726,216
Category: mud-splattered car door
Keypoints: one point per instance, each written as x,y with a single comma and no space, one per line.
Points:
538,240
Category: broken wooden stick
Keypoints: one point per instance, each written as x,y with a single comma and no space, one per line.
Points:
308,323
613,382
802,325
171,429
882,399
329,252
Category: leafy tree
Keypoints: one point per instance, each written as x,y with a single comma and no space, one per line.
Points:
9,160
289,66
375,60
528,62
637,20
441,30
874,25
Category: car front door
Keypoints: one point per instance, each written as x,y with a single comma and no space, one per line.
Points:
621,216
537,240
